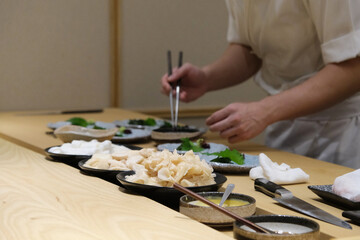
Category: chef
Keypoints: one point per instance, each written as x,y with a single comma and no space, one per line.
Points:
306,56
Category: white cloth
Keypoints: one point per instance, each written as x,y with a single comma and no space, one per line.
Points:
348,186
280,174
295,39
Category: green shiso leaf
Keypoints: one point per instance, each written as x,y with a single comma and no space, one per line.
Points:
228,156
187,145
150,122
78,121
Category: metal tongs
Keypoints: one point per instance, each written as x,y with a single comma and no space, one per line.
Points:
174,116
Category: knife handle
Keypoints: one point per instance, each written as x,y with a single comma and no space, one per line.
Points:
82,111
268,187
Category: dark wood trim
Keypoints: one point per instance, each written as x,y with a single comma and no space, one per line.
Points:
115,65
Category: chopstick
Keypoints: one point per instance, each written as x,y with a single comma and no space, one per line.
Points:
171,92
252,225
178,90
174,117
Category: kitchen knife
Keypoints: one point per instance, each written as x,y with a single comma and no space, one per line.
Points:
285,197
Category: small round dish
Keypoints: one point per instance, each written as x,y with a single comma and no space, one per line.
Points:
69,133
212,217
288,227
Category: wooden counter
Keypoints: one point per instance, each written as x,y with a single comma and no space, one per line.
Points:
40,197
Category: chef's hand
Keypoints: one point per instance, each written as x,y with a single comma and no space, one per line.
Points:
238,121
193,82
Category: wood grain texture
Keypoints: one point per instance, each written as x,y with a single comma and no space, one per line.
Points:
41,199
29,131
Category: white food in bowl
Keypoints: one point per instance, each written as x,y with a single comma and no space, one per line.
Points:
81,147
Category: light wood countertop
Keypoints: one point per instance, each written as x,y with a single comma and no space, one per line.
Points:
40,198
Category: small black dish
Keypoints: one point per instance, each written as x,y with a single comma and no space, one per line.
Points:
65,157
102,173
326,193
76,158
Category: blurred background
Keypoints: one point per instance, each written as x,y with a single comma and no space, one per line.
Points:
87,54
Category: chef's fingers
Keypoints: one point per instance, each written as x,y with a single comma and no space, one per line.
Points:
236,138
216,117
165,86
179,73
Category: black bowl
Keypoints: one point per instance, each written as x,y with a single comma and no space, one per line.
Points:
166,195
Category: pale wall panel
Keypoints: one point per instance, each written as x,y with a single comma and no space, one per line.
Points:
150,28
55,54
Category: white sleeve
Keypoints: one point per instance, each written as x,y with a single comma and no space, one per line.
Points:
337,23
233,32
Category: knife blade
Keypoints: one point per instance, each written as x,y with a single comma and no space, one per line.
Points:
286,198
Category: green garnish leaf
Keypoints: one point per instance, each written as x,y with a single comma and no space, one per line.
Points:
187,145
120,133
232,155
150,122
97,127
222,160
166,124
146,122
78,121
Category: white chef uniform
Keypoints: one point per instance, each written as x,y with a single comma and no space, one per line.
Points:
295,39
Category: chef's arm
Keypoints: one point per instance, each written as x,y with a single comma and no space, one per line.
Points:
236,65
334,83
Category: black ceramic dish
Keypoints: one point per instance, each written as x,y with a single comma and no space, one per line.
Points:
326,193
76,158
166,195
65,157
102,173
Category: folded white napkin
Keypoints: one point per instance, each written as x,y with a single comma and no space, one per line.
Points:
348,185
280,174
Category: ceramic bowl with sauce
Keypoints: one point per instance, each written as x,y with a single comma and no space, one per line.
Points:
240,204
287,227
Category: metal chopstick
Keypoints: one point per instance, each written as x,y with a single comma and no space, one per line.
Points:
171,92
178,90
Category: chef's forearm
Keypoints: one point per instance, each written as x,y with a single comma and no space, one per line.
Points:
333,84
236,65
